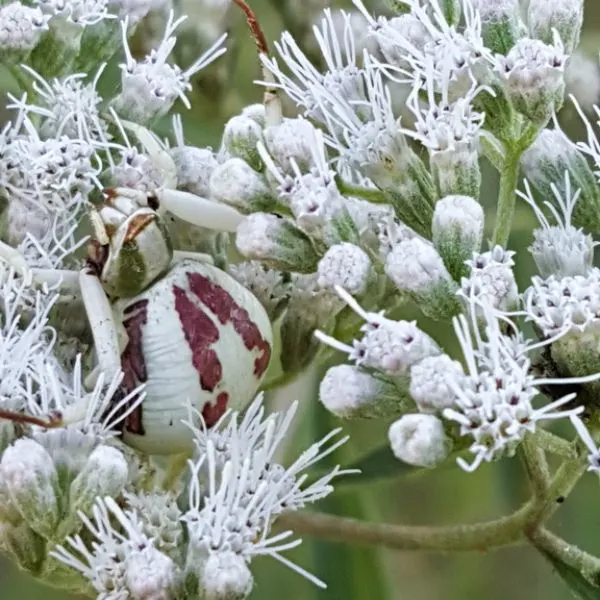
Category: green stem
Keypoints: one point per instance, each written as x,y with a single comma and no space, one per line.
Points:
507,197
536,466
373,195
550,544
462,538
554,444
563,482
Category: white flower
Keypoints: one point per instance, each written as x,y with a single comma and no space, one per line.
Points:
454,56
491,279
238,489
561,249
68,106
560,304
21,27
494,401
122,563
391,347
342,76
150,87
78,12
445,125
268,285
98,413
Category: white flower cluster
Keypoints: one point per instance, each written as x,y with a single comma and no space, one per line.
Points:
130,342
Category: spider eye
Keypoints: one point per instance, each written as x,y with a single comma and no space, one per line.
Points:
153,202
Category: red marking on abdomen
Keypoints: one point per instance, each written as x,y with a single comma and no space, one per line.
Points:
133,363
211,413
200,333
228,311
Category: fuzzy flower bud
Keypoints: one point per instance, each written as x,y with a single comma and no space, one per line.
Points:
310,308
268,285
194,168
348,266
160,518
104,474
419,440
415,267
240,137
500,23
534,78
225,576
32,483
559,249
291,143
544,164
150,574
430,382
21,28
277,242
457,230
237,184
351,393
257,113
564,16
25,546
406,27
491,279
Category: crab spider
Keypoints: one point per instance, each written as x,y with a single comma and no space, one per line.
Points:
169,320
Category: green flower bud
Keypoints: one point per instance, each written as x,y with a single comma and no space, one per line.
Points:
545,163
277,242
57,51
32,483
420,440
457,229
309,308
226,576
240,137
501,24
533,73
290,142
417,269
237,184
26,547
99,43
104,474
350,392
564,16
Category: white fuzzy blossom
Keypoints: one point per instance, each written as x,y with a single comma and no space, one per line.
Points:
150,87
494,402
560,249
491,279
391,347
21,27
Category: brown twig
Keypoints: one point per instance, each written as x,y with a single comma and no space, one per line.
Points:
51,423
273,111
255,29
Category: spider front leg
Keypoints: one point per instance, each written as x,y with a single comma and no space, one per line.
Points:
62,280
193,209
109,338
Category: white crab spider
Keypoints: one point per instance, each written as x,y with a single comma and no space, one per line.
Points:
174,322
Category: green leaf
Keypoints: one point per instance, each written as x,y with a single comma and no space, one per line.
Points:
579,586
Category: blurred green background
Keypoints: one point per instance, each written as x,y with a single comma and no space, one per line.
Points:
443,497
